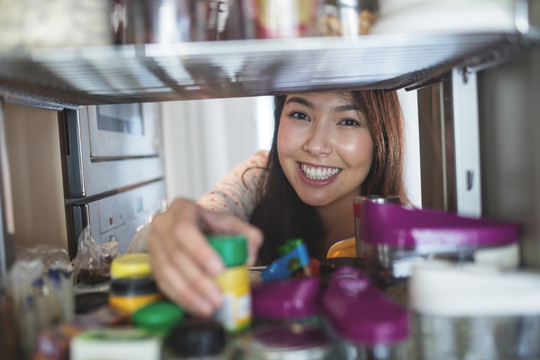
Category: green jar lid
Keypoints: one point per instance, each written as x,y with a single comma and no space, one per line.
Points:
232,248
158,317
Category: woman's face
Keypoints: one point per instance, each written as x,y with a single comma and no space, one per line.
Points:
324,147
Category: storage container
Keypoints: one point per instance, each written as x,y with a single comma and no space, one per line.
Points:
287,302
395,236
132,284
235,313
470,311
286,342
347,18
367,324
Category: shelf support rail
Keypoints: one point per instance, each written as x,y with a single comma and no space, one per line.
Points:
7,221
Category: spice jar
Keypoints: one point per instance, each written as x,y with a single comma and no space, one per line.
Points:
367,323
235,313
396,236
132,284
471,311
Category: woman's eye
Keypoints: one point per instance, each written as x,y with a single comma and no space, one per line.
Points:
350,122
299,116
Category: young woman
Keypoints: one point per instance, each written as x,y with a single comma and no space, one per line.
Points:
328,147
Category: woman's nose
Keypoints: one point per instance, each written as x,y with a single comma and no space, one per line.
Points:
318,142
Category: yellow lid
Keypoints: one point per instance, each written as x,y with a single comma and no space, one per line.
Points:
131,265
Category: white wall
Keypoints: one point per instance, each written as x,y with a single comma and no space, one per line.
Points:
204,139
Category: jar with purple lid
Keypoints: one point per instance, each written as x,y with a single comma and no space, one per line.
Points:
367,323
287,301
395,237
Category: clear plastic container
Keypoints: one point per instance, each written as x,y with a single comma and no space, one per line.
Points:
367,324
396,236
474,312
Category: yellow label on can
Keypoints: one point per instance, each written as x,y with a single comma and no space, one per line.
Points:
235,313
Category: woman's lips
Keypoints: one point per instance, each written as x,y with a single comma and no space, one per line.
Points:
318,174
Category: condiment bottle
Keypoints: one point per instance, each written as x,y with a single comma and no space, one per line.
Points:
132,284
235,314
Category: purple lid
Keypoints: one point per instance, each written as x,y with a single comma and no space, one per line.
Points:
403,227
286,299
360,313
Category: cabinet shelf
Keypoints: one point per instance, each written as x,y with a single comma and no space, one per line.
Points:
71,77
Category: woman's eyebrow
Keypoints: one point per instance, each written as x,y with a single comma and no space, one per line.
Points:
301,101
344,108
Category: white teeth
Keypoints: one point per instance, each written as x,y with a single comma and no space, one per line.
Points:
319,173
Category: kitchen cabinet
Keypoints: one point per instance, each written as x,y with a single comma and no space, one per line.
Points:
67,78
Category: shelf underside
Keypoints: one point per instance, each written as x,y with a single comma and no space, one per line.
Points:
70,77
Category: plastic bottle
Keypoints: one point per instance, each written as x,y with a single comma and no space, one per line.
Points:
235,314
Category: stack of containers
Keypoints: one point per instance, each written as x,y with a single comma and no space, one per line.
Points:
367,324
132,283
470,311
395,237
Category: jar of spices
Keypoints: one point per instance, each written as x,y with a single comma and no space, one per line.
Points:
132,283
235,313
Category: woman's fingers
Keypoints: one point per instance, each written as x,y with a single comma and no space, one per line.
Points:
184,263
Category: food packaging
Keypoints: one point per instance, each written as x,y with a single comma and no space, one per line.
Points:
471,311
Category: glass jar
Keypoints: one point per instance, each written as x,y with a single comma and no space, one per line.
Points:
285,342
367,324
474,312
347,18
396,236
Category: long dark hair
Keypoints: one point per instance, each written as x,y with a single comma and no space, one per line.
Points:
282,215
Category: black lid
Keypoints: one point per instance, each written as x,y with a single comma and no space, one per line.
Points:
197,337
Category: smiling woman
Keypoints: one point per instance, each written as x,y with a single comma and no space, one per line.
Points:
328,147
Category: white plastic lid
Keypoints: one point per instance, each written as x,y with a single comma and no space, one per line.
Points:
444,289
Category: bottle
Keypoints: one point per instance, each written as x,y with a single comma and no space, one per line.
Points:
235,313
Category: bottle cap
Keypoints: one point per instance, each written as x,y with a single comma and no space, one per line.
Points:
198,337
158,317
131,265
232,248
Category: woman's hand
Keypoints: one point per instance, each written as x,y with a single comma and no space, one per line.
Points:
183,263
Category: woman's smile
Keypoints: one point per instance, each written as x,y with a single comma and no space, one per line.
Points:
320,173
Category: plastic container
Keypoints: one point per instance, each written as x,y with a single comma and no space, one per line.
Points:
286,342
348,18
474,312
396,236
132,285
368,324
287,302
235,313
